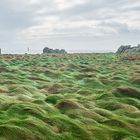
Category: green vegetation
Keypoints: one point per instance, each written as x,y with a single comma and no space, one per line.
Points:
70,97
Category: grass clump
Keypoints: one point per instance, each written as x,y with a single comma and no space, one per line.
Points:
127,91
53,99
67,104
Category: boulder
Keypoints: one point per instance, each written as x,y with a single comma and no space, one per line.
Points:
123,48
55,51
128,49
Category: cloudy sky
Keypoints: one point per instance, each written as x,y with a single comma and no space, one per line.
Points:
68,24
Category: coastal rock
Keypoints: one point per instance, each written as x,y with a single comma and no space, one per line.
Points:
128,49
48,50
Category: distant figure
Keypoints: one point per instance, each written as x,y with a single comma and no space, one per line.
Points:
0,51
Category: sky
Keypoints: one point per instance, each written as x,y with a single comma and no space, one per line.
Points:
68,24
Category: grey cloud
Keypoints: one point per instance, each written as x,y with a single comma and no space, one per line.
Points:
118,18
12,19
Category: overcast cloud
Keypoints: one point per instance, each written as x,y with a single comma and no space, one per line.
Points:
69,24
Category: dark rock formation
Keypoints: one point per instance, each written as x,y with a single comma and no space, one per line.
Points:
48,50
128,49
123,48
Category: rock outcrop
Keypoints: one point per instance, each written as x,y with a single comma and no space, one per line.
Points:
48,50
128,49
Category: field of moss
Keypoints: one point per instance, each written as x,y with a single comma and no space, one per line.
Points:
69,97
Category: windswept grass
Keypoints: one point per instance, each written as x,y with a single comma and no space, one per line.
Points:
70,97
